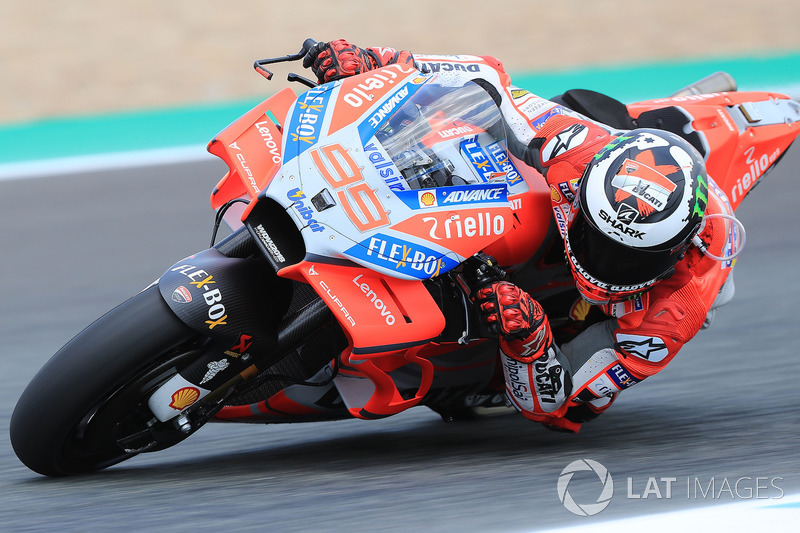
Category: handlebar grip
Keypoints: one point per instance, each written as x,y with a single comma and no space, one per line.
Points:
308,44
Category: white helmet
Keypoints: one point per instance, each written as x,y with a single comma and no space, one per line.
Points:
641,200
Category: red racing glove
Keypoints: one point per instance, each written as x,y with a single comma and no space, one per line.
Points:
518,320
340,59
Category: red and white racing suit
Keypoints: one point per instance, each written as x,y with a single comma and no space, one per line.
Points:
570,384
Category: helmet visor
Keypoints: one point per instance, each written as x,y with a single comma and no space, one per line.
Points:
612,263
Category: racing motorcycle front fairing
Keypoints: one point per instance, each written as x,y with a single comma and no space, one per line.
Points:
406,178
388,179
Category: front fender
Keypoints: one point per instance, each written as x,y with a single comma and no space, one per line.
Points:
225,297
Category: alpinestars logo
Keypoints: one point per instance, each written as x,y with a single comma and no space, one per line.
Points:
652,349
534,344
568,139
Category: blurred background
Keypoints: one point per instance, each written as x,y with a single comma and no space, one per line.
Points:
64,58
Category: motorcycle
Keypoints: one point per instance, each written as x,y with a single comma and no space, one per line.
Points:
363,214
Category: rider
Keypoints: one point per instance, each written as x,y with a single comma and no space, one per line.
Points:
648,240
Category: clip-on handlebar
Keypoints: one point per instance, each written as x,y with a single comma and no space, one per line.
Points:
307,44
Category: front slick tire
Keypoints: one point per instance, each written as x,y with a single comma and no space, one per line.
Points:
66,422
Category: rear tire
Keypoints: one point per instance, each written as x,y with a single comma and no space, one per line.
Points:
67,419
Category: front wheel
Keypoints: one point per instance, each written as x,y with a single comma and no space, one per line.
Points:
87,402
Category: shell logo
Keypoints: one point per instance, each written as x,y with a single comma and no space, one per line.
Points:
427,199
554,194
183,398
579,310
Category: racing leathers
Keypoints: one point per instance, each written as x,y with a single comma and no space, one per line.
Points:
563,386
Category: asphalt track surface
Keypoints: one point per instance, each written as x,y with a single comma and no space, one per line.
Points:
725,409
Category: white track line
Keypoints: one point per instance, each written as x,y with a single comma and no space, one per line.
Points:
772,515
101,162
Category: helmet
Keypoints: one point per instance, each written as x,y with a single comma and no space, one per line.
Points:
641,200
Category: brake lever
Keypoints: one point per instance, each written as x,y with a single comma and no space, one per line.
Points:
259,64
478,271
300,79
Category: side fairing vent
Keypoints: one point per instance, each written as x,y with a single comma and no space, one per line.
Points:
275,233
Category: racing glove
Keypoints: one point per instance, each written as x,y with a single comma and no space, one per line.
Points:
518,320
536,383
339,59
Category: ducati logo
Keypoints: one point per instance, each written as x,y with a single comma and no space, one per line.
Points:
647,183
181,295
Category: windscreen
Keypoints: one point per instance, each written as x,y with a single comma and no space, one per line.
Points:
446,136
